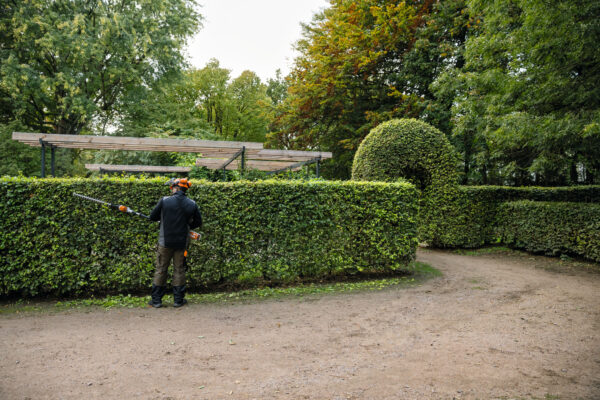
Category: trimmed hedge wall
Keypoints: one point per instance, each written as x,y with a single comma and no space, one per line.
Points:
54,243
477,215
576,194
551,228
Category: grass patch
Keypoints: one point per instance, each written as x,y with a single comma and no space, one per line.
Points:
484,250
419,273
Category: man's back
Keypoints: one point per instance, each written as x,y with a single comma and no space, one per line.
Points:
177,215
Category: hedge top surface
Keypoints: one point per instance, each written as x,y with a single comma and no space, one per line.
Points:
197,183
406,148
576,194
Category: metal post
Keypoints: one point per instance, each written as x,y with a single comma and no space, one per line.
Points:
236,155
43,158
243,158
318,163
52,147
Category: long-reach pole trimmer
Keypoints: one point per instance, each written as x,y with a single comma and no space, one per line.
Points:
125,209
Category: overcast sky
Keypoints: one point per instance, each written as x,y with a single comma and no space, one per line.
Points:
251,34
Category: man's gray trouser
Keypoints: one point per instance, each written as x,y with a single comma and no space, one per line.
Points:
163,259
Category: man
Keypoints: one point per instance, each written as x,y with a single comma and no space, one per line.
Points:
177,215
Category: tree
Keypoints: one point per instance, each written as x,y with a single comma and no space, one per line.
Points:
249,119
170,108
527,103
365,62
67,62
235,109
210,83
277,88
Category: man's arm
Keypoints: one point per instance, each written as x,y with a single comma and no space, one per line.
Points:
155,214
196,219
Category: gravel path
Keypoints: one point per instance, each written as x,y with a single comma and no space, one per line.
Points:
493,327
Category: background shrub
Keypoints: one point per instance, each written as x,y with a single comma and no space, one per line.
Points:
275,231
420,153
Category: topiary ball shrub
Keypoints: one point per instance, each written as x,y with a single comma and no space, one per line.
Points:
406,148
420,153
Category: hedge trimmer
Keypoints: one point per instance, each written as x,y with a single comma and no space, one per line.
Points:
193,235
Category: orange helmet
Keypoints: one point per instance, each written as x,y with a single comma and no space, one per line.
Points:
179,182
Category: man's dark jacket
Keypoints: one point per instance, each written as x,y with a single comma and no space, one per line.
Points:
177,215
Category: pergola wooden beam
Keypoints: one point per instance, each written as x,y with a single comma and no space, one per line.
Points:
137,168
130,143
216,163
297,166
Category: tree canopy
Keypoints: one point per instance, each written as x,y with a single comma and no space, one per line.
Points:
527,105
364,62
67,62
199,103
512,83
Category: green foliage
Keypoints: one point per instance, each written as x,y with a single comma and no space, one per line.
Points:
473,223
406,148
66,62
526,101
365,62
277,88
73,66
210,85
248,121
417,273
254,232
233,109
168,108
551,228
418,152
17,158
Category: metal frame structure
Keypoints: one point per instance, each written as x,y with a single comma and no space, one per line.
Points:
236,155
316,160
43,145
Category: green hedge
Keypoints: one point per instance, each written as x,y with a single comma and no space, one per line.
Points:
54,243
474,215
551,228
577,194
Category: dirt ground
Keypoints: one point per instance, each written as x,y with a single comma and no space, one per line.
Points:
493,327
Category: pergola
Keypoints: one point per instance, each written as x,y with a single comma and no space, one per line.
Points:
215,154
